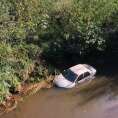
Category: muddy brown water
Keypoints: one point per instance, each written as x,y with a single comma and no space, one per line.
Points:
95,99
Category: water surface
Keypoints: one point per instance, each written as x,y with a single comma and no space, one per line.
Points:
96,99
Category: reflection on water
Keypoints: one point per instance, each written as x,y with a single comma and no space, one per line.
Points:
96,99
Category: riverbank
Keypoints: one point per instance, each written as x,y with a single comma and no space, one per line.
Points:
27,89
102,90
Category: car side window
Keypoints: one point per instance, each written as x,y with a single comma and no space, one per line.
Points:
80,77
86,74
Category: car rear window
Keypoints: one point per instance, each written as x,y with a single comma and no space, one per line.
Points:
70,75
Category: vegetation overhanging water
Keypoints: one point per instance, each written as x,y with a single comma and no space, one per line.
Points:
39,37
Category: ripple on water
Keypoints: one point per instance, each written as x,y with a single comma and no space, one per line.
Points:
97,99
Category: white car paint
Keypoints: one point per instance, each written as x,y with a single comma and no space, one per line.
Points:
79,69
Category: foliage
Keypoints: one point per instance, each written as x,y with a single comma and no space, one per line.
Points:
76,28
60,30
14,60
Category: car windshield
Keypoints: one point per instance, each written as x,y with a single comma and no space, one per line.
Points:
70,75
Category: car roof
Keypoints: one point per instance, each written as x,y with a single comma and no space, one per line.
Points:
79,69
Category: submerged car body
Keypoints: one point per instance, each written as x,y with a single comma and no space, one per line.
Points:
74,75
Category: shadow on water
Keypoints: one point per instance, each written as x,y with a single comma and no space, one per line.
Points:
106,82
92,91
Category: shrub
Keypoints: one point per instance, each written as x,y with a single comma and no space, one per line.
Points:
77,28
59,30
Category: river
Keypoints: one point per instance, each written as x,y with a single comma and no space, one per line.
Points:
95,99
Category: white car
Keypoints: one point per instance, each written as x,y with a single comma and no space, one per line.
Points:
76,74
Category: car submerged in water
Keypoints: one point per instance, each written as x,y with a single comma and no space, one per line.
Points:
75,75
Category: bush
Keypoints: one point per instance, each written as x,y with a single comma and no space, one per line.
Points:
8,79
13,61
62,31
76,28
